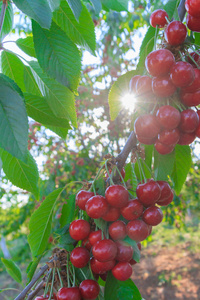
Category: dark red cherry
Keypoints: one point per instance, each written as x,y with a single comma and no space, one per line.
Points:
158,18
163,148
152,216
41,298
175,33
117,195
166,201
96,207
148,193
86,244
146,141
163,86
182,74
133,82
137,230
89,289
146,126
189,121
169,136
104,276
104,250
99,267
168,117
95,236
82,197
112,215
79,257
70,293
133,210
122,271
190,99
192,7
124,251
165,190
144,86
197,132
193,23
186,138
195,86
194,59
79,229
117,230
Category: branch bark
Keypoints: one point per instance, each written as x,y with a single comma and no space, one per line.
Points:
181,10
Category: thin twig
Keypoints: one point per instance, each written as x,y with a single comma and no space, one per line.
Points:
181,10
3,12
34,293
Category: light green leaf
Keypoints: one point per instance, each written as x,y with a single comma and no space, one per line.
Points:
8,20
76,7
40,224
13,67
117,5
136,251
182,165
68,211
82,32
170,7
12,269
23,175
62,132
38,10
163,165
31,85
197,38
32,267
57,55
119,90
54,4
13,121
27,45
97,5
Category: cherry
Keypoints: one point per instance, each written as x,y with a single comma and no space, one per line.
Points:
122,271
79,229
117,195
186,138
165,190
166,201
99,267
163,149
190,99
195,57
163,86
133,82
70,293
144,86
175,33
195,86
168,117
122,173
41,298
159,62
89,289
82,197
182,74
124,251
137,230
193,23
152,216
86,244
158,18
197,132
79,257
192,7
117,230
146,126
146,141
104,276
95,236
169,136
132,261
112,215
96,207
189,121
104,250
148,193
133,210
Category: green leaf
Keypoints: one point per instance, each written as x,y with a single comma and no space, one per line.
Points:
31,85
13,67
100,185
68,211
136,251
27,45
23,175
76,7
130,174
40,223
183,161
101,224
65,240
37,10
97,5
32,267
8,20
117,5
197,38
119,90
170,7
60,98
163,165
62,132
13,121
82,32
12,269
54,4
39,110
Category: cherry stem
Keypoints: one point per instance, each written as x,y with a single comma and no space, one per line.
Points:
181,55
144,162
155,37
83,274
61,282
52,282
74,276
107,170
68,281
141,168
91,272
47,284
93,183
124,184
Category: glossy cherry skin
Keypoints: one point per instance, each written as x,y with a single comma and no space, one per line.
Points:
41,298
133,82
146,126
165,190
148,193
146,141
112,215
158,18
70,293
82,197
195,86
169,136
79,257
99,267
168,116
144,86
117,195
182,74
86,244
117,230
122,271
96,207
163,86
193,23
175,33
79,229
186,138
152,216
197,132
195,57
192,7
166,201
89,289
124,251
95,236
189,121
133,210
159,62
137,230
163,149
104,250
190,99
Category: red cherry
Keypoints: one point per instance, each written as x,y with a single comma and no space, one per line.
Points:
165,190
112,215
96,207
175,33
168,117
186,138
169,136
133,82
197,132
95,236
79,257
189,121
158,18
79,229
104,250
195,86
133,210
104,276
41,298
122,173
146,126
86,244
144,86
132,261
152,216
166,201
163,86
82,197
124,251
192,7
117,195
159,62
89,289
148,193
137,230
146,141
163,149
70,293
122,271
195,57
193,23
99,267
182,74
117,230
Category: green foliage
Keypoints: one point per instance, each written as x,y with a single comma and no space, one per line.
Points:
68,211
8,20
54,4
76,7
12,269
136,251
32,267
171,7
118,5
163,165
27,45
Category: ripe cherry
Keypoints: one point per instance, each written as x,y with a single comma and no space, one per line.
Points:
79,229
192,7
182,74
152,216
95,236
195,86
196,57
168,117
112,215
169,136
133,82
79,257
146,141
99,267
104,250
70,293
89,289
117,230
124,251
144,86
122,173
186,138
96,207
165,190
82,197
148,193
158,18
146,126
163,86
189,121
197,132
133,210
86,244
117,195
175,33
122,271
163,148
137,230
193,23
166,201
190,99
41,298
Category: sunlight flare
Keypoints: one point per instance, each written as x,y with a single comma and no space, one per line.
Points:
129,102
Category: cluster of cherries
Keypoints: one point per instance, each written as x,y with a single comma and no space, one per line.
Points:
173,87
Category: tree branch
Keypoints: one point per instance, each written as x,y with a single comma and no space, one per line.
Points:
181,10
3,12
36,290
